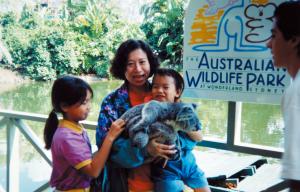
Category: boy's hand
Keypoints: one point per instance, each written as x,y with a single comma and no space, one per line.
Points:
195,135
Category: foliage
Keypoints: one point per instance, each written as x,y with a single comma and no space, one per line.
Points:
42,53
82,40
101,31
163,27
29,19
8,18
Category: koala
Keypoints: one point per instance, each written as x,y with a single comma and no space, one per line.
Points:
159,120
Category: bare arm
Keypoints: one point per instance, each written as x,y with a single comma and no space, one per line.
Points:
195,135
95,167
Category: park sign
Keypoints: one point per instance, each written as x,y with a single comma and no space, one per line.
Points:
225,54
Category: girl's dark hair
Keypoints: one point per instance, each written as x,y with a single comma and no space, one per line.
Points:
119,63
179,82
66,91
287,16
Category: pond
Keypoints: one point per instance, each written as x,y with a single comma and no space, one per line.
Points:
261,124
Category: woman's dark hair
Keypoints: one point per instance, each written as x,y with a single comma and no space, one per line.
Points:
119,63
66,91
287,16
179,82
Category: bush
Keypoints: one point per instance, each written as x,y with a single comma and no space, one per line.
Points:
29,19
42,54
7,19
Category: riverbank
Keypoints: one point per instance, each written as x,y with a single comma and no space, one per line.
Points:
10,79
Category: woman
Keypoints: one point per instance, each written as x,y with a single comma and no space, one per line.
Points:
134,63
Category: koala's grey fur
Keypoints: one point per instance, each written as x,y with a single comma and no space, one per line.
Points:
159,119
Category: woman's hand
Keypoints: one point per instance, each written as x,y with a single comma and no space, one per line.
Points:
156,149
115,129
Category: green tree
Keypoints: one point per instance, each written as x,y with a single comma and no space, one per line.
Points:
101,31
163,27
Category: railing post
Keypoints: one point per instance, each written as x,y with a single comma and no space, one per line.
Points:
12,171
238,122
231,123
234,123
3,122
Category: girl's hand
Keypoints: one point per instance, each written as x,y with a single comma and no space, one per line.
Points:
156,149
115,129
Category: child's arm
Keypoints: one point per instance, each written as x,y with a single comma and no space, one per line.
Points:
95,167
195,135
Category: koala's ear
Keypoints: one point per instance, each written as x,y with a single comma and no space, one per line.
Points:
194,105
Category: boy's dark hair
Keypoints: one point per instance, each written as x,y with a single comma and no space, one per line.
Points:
179,82
287,16
119,63
66,91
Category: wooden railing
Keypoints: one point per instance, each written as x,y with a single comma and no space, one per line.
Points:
14,122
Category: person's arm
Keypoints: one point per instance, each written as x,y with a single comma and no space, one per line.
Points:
127,156
95,167
189,140
186,143
195,135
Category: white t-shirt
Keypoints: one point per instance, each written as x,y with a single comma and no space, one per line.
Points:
291,114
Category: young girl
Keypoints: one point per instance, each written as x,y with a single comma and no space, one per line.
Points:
168,86
73,164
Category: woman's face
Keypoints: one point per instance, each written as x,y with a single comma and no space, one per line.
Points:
138,68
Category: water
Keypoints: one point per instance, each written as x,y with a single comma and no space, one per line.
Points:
261,124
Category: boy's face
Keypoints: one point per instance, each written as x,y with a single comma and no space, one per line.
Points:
163,89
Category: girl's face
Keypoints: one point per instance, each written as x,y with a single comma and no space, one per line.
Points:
138,68
78,111
164,89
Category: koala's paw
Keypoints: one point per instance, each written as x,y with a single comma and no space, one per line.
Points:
140,139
